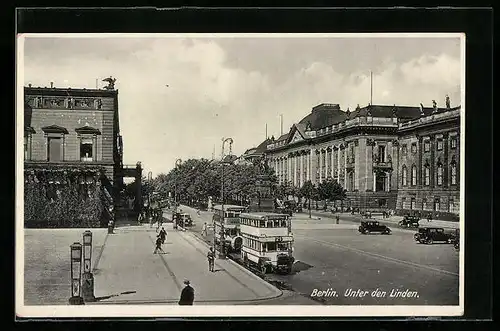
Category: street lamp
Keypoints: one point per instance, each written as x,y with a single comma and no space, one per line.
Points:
87,277
178,162
222,237
76,268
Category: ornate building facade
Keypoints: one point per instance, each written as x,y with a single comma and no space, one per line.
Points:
76,128
396,157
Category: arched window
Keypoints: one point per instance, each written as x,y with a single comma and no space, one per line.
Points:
404,176
427,172
453,173
440,174
413,175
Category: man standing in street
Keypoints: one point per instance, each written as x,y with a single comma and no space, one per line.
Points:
211,259
204,230
163,235
187,295
158,245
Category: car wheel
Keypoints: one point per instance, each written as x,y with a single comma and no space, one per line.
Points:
430,241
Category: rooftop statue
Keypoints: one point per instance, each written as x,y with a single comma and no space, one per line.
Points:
422,109
111,83
447,101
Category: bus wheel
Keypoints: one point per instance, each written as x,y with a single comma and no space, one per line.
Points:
263,269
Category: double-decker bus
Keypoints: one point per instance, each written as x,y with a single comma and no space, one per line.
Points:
267,242
231,224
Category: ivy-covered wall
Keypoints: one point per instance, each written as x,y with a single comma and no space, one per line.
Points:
65,198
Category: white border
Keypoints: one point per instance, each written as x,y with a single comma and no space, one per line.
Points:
236,310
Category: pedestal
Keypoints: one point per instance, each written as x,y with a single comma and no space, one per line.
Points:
76,301
88,287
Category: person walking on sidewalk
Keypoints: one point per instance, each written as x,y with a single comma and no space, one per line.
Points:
158,245
187,295
204,230
163,235
211,259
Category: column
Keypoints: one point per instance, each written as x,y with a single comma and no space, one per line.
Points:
311,158
288,171
445,159
320,165
295,169
433,161
374,181
338,163
301,168
331,162
345,165
419,165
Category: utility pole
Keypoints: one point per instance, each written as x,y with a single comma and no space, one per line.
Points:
371,88
281,125
222,236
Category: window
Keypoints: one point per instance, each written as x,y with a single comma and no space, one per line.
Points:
450,205
404,175
403,203
283,247
440,174
271,247
427,146
414,148
427,172
424,204
437,204
453,174
86,150
440,144
262,224
54,149
412,206
381,153
404,149
413,175
453,142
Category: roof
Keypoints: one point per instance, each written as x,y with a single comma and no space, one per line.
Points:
53,91
229,206
263,146
283,137
323,115
404,113
261,215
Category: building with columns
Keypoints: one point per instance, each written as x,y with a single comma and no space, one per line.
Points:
395,157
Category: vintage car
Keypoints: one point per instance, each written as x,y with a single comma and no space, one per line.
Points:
429,235
182,219
373,226
409,222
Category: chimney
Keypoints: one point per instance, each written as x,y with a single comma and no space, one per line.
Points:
51,84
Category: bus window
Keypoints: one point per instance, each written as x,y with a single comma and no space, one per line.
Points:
283,224
264,247
283,247
269,224
271,247
262,224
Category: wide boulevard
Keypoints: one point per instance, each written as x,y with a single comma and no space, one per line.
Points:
338,265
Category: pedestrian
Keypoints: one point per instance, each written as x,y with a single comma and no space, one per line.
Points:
187,295
211,259
163,235
337,219
204,230
158,245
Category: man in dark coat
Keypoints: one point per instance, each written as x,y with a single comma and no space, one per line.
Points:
162,235
187,295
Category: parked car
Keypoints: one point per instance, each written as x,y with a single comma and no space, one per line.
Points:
373,226
409,222
429,235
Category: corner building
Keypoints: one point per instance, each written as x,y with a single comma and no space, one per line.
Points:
396,157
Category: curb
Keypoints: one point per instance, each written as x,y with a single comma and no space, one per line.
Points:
270,286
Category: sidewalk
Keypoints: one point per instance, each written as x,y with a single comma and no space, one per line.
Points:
128,265
390,221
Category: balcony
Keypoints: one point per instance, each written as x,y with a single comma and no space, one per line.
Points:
382,164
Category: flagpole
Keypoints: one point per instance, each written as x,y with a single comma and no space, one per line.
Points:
371,88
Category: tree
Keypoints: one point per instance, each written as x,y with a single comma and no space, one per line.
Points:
331,190
308,190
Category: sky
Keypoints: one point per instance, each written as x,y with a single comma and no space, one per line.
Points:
232,86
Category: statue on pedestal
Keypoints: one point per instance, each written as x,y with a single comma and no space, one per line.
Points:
111,83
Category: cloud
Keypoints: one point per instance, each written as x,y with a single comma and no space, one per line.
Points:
208,99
